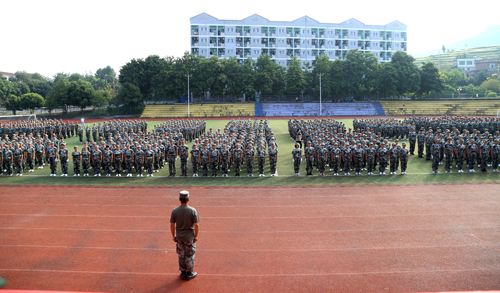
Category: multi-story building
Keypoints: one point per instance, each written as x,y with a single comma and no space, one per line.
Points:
304,38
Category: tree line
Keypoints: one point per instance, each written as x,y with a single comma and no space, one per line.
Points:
26,91
358,77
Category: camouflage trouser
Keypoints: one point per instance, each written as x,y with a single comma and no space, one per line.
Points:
184,167
393,164
296,165
447,162
64,166
186,252
435,162
370,164
249,166
382,166
272,162
29,162
262,161
309,166
38,159
404,164
412,146
53,165
420,150
18,166
76,166
171,166
472,160
460,163
194,164
85,166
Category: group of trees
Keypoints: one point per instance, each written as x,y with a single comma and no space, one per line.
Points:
31,91
358,77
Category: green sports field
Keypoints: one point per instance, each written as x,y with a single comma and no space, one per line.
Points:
419,171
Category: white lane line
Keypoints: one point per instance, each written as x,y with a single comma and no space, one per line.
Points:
410,229
255,275
414,247
258,216
162,205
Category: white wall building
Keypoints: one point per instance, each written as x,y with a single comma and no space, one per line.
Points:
304,37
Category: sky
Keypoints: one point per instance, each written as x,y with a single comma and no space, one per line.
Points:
80,36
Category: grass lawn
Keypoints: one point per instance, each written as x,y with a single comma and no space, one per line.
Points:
419,171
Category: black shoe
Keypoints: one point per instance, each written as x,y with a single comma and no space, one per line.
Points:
183,275
190,275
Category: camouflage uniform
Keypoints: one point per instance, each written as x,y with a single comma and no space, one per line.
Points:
249,154
297,157
309,154
76,155
185,217
183,155
448,155
195,159
435,151
403,157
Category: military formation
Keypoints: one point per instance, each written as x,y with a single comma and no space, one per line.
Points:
328,145
460,143
456,143
126,148
29,144
243,145
248,147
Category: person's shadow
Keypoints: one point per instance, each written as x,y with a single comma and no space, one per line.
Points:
172,285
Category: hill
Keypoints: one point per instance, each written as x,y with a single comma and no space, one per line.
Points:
448,60
490,37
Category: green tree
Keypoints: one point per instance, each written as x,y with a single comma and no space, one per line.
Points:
6,89
102,97
322,65
492,84
58,95
269,77
130,98
31,101
408,75
80,93
295,81
361,69
455,78
108,75
13,103
387,81
338,80
430,80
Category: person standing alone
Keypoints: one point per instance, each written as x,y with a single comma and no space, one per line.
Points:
184,226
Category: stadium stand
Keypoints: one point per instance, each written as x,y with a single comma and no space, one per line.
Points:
328,109
442,107
199,110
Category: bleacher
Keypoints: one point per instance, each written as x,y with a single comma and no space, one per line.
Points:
199,110
442,107
328,109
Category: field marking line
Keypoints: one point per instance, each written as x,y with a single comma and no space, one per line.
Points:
164,205
259,232
414,247
255,275
255,217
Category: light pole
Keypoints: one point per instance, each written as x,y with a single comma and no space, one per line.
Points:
320,110
188,112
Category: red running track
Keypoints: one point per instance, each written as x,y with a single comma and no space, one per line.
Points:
274,239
